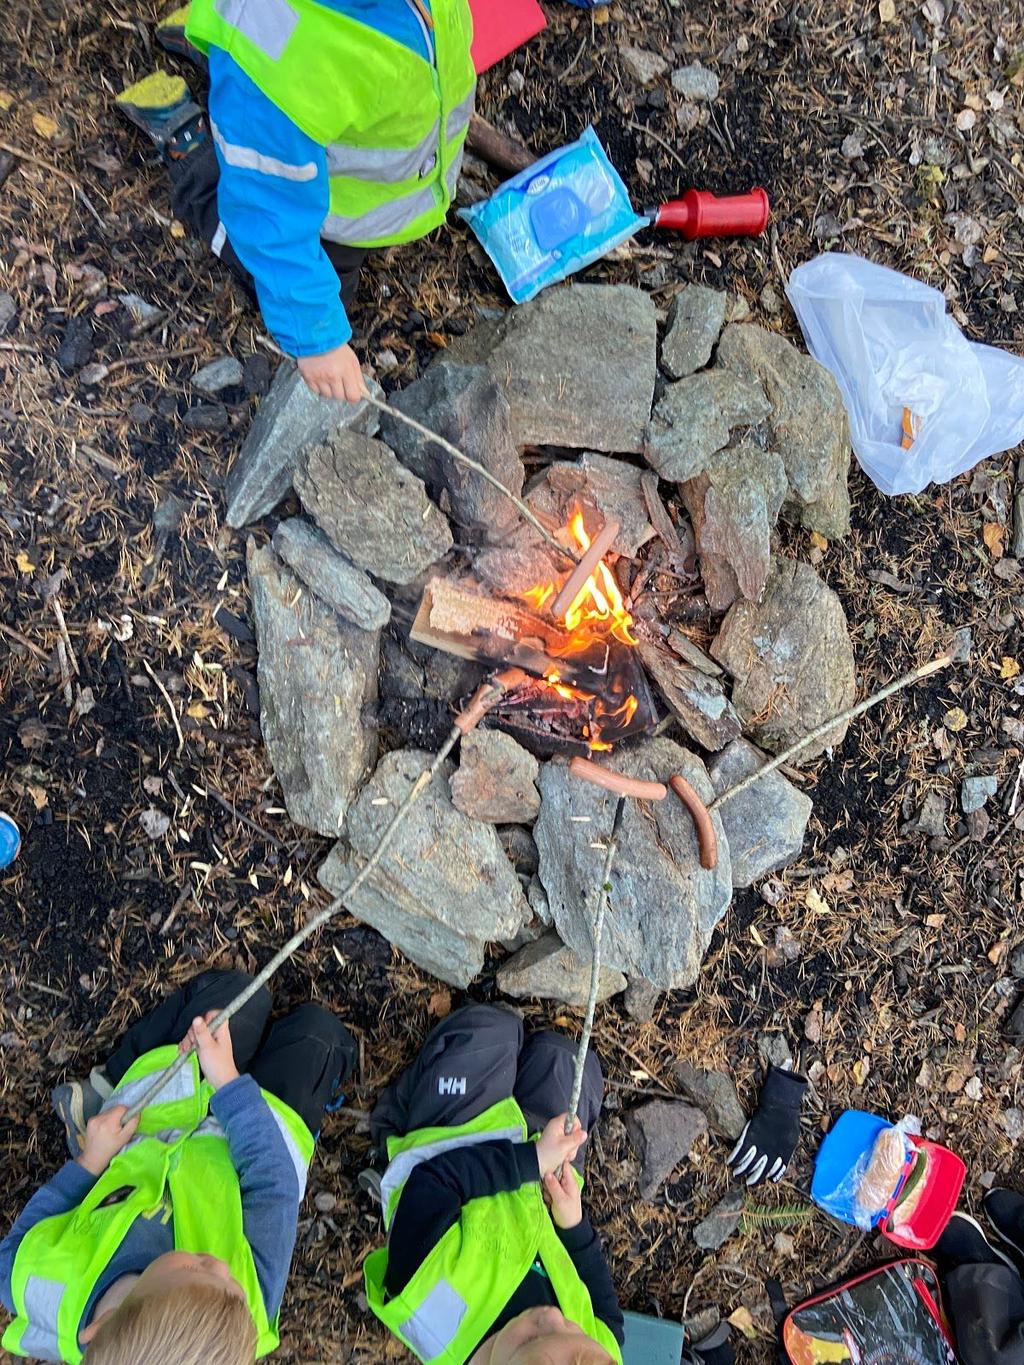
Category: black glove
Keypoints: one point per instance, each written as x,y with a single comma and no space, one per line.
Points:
713,1350
769,1140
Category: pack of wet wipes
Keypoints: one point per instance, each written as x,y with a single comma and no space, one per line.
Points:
560,214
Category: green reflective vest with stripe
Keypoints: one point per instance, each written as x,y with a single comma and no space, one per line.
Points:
452,1302
177,1163
394,124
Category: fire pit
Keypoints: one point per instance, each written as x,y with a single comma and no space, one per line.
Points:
588,691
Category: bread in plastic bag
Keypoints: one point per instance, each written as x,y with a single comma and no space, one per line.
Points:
924,403
566,210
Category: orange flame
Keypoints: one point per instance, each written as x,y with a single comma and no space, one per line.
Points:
597,612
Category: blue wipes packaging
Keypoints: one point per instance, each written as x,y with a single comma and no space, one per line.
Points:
560,214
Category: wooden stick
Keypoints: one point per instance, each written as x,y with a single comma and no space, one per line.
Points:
170,705
603,889
924,671
24,640
524,511
485,697
153,356
502,152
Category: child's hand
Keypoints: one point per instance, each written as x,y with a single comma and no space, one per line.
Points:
562,1196
104,1138
216,1055
335,374
555,1146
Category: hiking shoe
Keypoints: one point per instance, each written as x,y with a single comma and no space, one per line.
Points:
170,34
162,106
1004,1209
76,1102
964,1243
714,1349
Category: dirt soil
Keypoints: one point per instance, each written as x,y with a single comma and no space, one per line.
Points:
893,130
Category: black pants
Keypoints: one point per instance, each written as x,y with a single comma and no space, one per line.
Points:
301,1058
476,1057
194,180
986,1304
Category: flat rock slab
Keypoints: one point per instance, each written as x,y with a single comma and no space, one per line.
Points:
612,486
547,970
312,557
715,1230
808,426
371,508
663,905
577,365
734,504
496,780
664,1133
695,417
465,405
695,698
224,373
695,321
714,1094
289,418
445,888
791,659
765,824
316,673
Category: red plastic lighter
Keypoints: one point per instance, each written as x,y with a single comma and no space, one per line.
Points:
702,214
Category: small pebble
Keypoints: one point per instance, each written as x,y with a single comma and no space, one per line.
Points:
206,417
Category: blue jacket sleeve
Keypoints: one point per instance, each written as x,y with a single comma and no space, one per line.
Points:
273,197
268,1180
65,1191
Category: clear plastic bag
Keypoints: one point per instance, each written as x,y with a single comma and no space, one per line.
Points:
560,214
860,1166
925,404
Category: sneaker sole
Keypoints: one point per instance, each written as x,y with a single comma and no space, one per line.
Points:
67,1100
1002,1237
966,1217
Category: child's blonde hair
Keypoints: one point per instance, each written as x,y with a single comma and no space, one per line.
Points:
189,1325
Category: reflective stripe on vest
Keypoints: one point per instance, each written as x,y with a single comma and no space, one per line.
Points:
249,159
460,116
401,1168
42,1304
181,1086
268,24
435,1324
390,218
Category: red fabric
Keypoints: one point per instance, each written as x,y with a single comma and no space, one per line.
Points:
500,26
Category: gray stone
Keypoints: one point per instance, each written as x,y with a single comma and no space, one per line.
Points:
715,1230
695,82
695,320
808,426
520,849
444,889
496,780
931,818
733,506
312,557
219,374
975,791
791,659
765,824
577,365
645,65
641,1000
687,117
8,311
695,417
547,970
774,1050
538,899
697,700
612,486
464,405
370,507
316,673
664,1133
663,905
714,1094
289,418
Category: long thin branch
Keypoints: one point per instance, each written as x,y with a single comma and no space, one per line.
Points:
525,511
924,671
595,966
484,699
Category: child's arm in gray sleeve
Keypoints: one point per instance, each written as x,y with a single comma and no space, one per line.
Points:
63,1192
269,1181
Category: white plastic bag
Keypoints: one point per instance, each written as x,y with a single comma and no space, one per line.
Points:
903,365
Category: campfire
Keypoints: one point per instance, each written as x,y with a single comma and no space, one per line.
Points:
588,689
